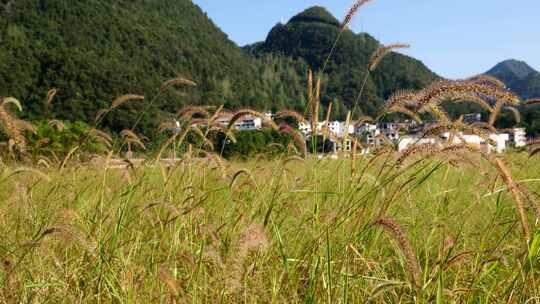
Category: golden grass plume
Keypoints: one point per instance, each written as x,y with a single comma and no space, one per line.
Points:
124,99
190,111
248,112
503,169
131,138
297,137
515,112
292,114
381,52
460,98
50,95
253,239
398,234
446,89
532,102
101,137
352,12
487,79
13,127
180,80
57,124
404,110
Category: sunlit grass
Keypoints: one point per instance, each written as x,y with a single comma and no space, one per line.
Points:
279,230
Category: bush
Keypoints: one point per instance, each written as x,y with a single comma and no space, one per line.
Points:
251,143
58,140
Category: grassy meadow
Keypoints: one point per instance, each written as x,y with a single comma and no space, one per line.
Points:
90,214
286,230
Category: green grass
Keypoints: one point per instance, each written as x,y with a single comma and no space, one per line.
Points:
281,231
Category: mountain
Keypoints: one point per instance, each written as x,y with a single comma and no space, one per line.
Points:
309,37
529,87
519,77
524,81
511,70
95,50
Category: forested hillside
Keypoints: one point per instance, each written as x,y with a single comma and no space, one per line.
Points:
519,77
95,50
92,51
310,35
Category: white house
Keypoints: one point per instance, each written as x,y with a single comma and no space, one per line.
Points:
344,144
247,123
375,135
410,140
349,129
519,137
337,128
304,128
270,115
368,132
498,141
391,131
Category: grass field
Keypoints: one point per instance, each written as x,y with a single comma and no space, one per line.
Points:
269,231
440,223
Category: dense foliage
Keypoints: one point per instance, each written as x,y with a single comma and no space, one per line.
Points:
310,35
93,51
252,143
57,140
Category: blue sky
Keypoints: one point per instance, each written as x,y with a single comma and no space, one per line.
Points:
456,38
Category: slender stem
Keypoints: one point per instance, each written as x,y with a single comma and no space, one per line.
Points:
360,94
142,115
331,52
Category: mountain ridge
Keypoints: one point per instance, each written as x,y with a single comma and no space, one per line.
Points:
524,81
517,68
310,36
519,76
93,51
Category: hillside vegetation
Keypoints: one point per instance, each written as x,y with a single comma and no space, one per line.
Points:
282,231
310,35
519,77
93,50
84,221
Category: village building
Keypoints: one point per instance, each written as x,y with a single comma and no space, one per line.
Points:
247,123
408,133
518,137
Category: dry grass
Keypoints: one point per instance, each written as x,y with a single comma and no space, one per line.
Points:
285,230
400,236
278,231
13,127
380,53
352,12
248,112
178,81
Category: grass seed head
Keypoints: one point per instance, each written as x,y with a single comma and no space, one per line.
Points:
178,81
352,12
381,52
398,234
